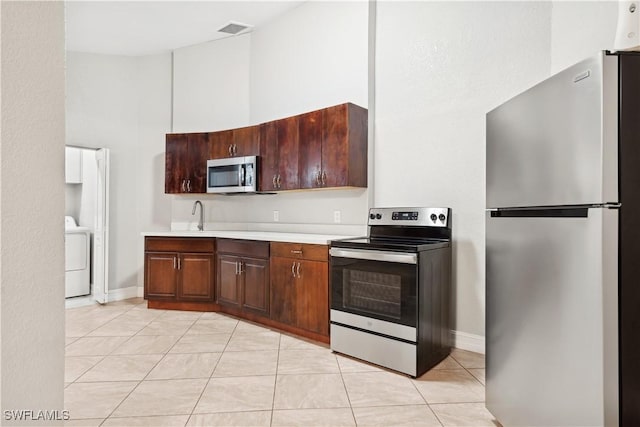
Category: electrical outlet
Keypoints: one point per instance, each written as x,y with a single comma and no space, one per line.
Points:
276,216
336,216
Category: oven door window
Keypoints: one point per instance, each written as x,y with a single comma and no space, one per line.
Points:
378,289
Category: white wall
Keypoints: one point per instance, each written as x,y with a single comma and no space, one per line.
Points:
211,85
579,29
440,66
123,103
311,57
153,207
32,207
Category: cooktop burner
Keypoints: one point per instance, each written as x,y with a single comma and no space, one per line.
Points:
403,229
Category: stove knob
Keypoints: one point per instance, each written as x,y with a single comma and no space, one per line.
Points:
434,217
372,216
378,216
441,217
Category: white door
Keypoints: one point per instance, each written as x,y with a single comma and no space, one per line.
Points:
101,234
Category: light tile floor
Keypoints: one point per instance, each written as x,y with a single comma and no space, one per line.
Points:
127,365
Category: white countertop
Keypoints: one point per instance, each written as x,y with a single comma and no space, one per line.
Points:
318,239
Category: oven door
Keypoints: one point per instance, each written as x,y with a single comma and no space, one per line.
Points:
375,284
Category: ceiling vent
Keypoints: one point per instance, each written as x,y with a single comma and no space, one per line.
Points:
234,28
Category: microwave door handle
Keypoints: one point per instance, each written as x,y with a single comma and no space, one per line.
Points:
242,175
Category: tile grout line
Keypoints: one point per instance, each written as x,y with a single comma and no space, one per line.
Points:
154,366
275,381
211,375
413,382
344,385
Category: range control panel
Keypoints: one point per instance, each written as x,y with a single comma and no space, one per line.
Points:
429,217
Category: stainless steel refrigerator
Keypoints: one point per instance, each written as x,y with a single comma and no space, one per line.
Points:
563,249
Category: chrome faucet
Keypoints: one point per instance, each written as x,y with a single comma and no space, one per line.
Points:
193,212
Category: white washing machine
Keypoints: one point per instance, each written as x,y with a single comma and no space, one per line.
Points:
77,249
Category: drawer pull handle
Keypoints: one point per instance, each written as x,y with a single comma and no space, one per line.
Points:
296,251
298,270
293,269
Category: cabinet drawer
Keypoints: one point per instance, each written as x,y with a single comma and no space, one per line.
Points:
179,244
250,248
300,251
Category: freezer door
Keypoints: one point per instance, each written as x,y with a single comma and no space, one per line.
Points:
556,143
552,318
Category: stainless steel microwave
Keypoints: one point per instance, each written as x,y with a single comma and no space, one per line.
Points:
232,175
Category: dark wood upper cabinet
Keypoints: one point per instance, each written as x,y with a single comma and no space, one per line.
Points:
185,163
235,142
322,148
310,151
333,147
279,155
344,146
220,144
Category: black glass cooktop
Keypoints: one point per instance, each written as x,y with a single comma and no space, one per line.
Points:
395,245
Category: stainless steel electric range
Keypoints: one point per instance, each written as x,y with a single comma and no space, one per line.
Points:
391,291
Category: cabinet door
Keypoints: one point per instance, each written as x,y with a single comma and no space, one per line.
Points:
228,283
220,144
160,275
247,141
198,152
312,302
268,156
196,277
72,165
288,143
283,290
344,146
335,153
176,156
255,274
310,149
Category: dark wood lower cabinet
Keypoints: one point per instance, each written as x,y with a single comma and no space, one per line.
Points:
227,283
300,286
196,277
281,285
160,275
243,276
179,269
313,297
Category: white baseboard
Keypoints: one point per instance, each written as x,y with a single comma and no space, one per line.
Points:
140,293
123,293
469,342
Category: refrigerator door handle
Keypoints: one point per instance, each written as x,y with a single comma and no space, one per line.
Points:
550,212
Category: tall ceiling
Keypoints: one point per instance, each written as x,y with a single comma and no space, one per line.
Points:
150,27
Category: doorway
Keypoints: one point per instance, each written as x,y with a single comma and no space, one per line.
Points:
87,208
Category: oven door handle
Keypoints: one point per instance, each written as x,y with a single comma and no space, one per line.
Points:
401,257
